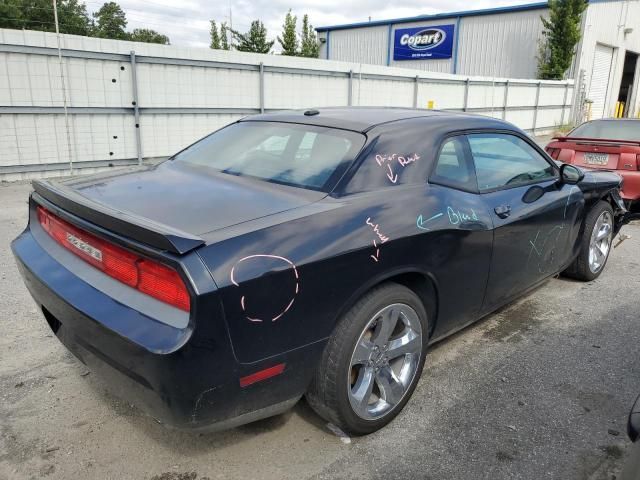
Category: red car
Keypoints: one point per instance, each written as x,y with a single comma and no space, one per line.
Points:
611,144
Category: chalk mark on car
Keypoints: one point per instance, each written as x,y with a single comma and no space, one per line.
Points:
243,299
380,237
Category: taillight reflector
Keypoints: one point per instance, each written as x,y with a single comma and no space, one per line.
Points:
143,274
262,375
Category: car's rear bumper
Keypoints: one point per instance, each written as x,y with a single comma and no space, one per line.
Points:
191,382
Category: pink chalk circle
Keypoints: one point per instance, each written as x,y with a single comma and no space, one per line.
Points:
243,300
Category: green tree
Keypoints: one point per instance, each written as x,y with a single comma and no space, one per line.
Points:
38,15
289,40
561,33
148,36
310,47
224,37
111,22
255,40
11,16
215,37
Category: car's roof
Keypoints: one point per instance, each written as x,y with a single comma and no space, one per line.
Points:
362,119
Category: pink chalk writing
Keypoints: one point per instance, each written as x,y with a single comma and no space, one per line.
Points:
390,161
379,240
243,302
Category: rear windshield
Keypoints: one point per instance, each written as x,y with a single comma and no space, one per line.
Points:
609,129
292,154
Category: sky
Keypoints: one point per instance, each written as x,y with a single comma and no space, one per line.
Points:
186,22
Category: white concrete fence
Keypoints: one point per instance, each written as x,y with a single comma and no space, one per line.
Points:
126,101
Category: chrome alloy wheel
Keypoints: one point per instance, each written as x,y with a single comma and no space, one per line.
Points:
384,361
600,242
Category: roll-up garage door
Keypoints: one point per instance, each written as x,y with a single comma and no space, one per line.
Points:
602,61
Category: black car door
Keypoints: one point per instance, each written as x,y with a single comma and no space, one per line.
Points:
458,237
534,216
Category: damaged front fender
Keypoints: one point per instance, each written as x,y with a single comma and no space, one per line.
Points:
621,214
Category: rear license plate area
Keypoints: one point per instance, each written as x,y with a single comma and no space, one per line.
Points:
601,159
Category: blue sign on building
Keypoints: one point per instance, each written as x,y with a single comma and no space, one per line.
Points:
423,43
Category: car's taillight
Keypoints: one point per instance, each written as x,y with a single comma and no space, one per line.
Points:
553,152
163,283
638,161
143,274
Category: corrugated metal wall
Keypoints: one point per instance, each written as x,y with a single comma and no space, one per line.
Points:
500,45
183,94
364,45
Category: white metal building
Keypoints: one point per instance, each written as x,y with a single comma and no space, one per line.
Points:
504,42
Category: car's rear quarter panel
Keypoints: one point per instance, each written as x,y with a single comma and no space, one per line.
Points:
335,261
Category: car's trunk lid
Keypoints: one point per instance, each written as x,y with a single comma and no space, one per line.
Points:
597,153
171,206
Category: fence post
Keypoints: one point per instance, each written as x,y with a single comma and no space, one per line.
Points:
466,95
261,87
564,102
136,111
506,100
350,96
415,92
535,111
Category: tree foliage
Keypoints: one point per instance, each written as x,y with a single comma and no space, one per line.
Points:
289,39
214,35
108,22
38,15
255,40
562,32
224,37
310,47
111,22
148,36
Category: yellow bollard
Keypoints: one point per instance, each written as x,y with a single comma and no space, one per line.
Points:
431,104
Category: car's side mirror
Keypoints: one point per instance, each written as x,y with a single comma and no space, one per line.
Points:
570,175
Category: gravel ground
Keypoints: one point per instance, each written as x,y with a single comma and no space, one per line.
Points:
540,389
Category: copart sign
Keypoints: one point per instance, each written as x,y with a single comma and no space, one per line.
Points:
423,43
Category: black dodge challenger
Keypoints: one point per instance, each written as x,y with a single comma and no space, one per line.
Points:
312,253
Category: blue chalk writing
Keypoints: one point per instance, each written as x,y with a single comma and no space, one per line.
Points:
456,216
420,222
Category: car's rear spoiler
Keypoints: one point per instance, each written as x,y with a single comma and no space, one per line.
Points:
123,223
603,141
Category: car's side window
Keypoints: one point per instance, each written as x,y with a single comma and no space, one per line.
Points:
453,167
504,161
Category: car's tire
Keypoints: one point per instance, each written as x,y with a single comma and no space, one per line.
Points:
596,237
338,391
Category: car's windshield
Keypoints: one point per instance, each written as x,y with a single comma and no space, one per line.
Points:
292,154
609,129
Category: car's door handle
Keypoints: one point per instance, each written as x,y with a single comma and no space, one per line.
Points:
503,211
